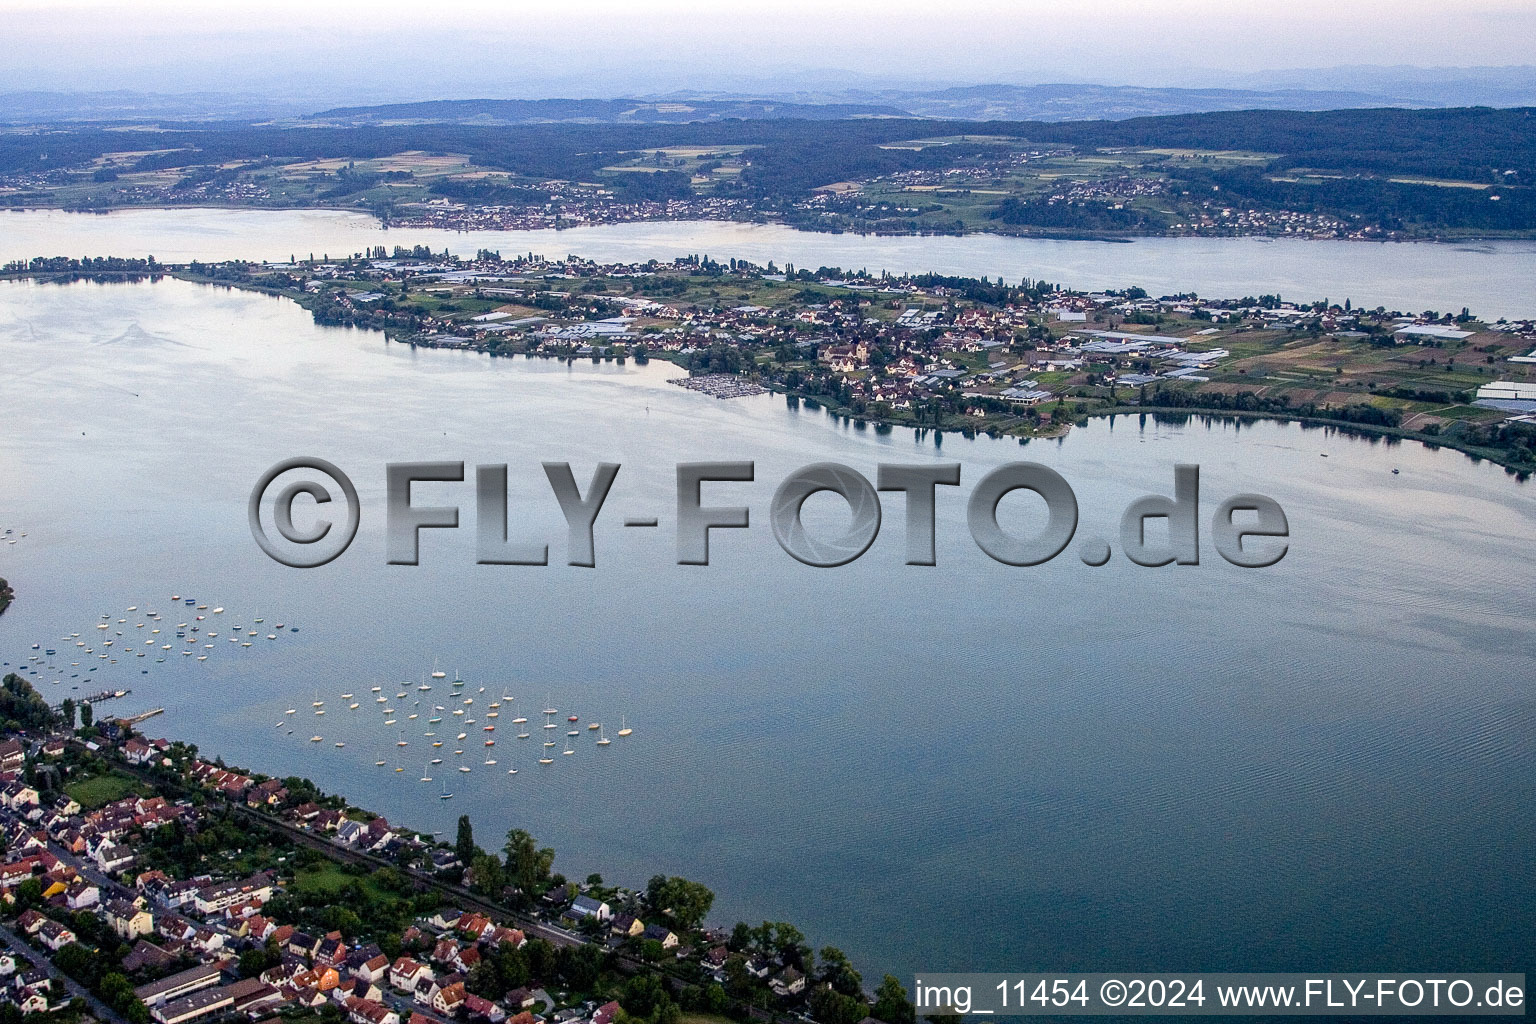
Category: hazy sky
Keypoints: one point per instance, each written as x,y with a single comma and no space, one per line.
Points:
386,49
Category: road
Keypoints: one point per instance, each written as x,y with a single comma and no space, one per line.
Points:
99,1009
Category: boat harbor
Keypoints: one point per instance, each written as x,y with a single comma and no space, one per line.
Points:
720,385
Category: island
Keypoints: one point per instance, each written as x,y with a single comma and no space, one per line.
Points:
932,352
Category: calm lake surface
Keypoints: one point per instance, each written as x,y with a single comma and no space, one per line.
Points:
1329,764
1492,278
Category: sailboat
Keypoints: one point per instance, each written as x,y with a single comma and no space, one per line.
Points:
379,763
445,795
624,729
426,775
546,759
602,740
567,749
438,673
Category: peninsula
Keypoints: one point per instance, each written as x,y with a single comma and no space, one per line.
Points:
933,352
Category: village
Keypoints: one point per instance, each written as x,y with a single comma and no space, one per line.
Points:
974,356
142,882
929,351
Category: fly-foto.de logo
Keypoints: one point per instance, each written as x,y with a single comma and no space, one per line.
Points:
1247,530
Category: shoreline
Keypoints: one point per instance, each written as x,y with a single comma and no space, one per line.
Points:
1056,429
1110,237
1172,415
287,805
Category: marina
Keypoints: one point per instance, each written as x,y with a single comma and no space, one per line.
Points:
720,385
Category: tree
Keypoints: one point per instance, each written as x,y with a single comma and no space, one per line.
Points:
713,999
830,1006
489,878
29,894
254,961
838,971
67,710
643,994
485,980
540,955
86,714
891,1003
464,845
527,864
580,966
686,903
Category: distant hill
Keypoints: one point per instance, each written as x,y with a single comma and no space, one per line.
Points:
1048,103
617,111
1073,102
42,107
1320,89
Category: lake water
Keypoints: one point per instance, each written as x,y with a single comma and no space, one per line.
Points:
1492,278
1328,764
